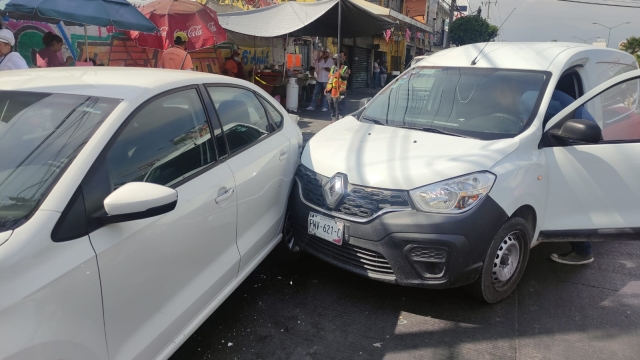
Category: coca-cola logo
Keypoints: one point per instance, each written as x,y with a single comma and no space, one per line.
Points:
212,26
192,32
195,31
163,31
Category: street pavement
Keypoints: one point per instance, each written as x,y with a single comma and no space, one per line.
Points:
312,310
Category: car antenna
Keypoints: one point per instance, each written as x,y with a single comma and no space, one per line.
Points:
505,20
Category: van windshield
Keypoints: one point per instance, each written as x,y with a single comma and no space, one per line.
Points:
485,104
40,134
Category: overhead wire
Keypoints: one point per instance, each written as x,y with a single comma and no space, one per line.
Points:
594,3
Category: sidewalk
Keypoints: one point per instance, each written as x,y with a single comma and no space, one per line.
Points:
313,121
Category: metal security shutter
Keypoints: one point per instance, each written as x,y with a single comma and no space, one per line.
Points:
360,68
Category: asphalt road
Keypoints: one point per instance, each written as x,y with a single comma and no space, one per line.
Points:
312,310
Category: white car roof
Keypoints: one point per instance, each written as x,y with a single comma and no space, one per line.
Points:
524,55
114,82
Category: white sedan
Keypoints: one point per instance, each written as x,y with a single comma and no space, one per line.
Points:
132,203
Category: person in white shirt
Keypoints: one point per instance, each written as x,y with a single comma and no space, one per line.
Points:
323,65
10,60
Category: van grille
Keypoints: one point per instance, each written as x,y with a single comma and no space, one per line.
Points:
358,201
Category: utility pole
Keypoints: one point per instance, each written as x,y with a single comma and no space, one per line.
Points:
452,8
489,8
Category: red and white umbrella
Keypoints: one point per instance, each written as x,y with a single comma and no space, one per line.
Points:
198,21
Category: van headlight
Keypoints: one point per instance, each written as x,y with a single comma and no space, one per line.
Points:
455,195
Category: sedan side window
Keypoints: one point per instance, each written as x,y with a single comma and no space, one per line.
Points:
616,111
275,114
167,141
243,117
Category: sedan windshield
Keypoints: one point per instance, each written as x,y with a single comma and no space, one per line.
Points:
40,134
480,103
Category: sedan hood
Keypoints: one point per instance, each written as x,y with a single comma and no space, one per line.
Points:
395,158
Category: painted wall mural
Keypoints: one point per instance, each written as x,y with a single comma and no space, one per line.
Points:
106,46
109,47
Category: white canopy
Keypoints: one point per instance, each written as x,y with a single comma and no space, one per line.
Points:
306,19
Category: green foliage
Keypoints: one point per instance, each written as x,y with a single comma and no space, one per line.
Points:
632,46
471,30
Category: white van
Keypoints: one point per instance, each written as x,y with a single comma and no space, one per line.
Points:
467,160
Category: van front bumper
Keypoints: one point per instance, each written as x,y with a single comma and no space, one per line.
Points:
409,248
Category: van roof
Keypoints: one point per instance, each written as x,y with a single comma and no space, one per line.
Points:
523,55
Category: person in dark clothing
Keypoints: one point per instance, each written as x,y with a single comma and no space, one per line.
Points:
383,73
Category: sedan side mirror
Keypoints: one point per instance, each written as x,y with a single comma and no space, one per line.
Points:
364,102
139,200
580,130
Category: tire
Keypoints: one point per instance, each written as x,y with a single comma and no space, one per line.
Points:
288,250
500,275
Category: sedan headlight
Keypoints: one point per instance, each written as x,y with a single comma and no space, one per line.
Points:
454,195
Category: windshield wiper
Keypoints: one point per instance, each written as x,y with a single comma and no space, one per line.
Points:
377,122
438,131
432,130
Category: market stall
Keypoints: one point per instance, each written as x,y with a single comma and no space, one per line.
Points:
279,24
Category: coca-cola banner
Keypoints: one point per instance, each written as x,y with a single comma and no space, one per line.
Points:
199,22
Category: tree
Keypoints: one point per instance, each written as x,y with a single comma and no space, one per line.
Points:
470,30
632,46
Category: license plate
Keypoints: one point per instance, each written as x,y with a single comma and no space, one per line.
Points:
326,228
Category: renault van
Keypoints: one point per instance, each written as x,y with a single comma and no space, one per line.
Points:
449,175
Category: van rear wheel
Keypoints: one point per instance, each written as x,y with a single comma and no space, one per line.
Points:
505,262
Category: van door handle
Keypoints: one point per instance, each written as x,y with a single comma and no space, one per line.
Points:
224,197
283,154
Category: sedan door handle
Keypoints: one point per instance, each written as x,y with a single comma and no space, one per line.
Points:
283,154
224,197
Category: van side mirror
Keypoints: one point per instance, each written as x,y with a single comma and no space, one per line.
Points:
139,200
580,130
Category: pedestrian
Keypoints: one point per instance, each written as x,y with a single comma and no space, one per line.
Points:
177,57
10,60
323,66
407,61
376,74
231,65
344,75
383,73
336,88
49,55
238,60
311,83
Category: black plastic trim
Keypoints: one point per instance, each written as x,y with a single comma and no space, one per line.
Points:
72,224
149,213
590,235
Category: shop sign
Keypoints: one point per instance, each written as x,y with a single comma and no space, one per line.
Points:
255,57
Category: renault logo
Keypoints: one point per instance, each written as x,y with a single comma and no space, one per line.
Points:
334,189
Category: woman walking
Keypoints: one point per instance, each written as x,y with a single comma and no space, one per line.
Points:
383,73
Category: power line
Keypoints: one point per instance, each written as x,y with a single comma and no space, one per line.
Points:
592,3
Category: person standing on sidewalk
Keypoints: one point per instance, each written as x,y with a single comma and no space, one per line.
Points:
323,66
376,74
177,57
344,75
336,88
383,74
